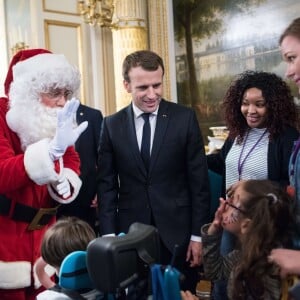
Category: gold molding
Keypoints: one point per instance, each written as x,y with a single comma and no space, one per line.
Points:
59,11
129,27
159,37
125,41
107,61
77,26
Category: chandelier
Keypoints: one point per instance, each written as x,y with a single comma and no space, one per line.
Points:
97,12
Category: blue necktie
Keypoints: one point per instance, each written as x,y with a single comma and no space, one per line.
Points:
145,147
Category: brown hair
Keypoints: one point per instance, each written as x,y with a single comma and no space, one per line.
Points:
292,30
148,60
270,210
65,236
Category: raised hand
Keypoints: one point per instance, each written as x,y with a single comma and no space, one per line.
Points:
216,224
66,133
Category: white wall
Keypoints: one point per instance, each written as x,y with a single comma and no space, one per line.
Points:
3,48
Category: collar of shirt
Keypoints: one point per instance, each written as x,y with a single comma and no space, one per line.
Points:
139,123
137,112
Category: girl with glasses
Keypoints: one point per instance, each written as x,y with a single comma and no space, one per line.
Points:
260,215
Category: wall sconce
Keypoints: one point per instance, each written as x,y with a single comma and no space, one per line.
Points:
97,12
18,47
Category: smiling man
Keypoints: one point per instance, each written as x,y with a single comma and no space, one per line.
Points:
152,167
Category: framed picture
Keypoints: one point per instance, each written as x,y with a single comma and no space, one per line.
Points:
216,40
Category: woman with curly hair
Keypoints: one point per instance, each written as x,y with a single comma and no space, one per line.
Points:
262,120
261,215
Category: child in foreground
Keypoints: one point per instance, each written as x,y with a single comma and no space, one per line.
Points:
261,215
64,237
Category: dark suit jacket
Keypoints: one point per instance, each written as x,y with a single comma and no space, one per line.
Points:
87,148
176,189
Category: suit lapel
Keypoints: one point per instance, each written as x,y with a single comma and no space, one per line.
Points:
131,133
160,131
80,114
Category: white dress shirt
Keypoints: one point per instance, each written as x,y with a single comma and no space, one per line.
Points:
139,124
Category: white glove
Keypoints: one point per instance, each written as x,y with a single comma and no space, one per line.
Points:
62,187
66,135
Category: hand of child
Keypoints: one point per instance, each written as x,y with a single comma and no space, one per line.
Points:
187,295
216,225
43,276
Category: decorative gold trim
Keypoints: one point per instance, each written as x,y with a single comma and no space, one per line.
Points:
59,11
108,72
158,37
48,23
132,19
96,12
18,46
129,27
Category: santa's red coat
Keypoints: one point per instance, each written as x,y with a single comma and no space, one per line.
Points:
19,247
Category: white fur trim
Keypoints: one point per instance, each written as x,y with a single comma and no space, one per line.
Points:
49,294
38,164
41,73
15,275
47,68
75,182
41,62
48,269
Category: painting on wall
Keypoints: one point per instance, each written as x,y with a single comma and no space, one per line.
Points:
218,39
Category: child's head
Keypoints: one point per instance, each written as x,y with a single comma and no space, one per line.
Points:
65,236
259,208
264,219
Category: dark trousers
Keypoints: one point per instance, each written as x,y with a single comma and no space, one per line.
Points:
189,279
142,288
190,276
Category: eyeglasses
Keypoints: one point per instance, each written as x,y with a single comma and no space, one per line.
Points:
56,94
235,207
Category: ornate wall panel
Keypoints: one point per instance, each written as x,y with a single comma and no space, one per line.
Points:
130,34
59,6
161,37
66,38
125,41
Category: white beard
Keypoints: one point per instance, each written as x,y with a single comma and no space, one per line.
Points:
32,121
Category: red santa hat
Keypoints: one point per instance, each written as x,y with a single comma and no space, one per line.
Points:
39,73
20,56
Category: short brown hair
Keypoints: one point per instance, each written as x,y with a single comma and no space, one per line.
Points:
292,30
148,60
65,236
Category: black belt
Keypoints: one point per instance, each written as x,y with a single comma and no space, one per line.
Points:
37,218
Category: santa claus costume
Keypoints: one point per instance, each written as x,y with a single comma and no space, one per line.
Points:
29,174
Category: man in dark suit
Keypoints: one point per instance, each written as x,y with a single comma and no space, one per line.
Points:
171,191
84,206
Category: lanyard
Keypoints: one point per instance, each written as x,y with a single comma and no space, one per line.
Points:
242,162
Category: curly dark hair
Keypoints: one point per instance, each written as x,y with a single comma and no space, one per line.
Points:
282,110
270,210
